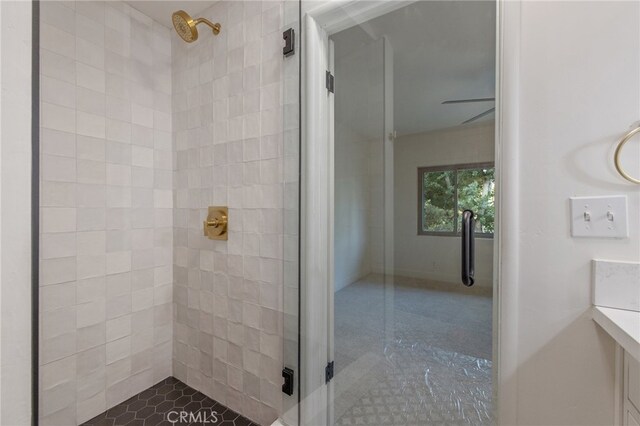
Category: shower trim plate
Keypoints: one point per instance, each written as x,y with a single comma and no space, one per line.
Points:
215,225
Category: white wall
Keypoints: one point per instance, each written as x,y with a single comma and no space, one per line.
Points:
579,91
358,166
15,213
437,257
352,207
106,207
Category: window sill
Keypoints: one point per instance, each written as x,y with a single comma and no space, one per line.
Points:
451,234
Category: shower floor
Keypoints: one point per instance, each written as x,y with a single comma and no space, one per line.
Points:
433,367
152,406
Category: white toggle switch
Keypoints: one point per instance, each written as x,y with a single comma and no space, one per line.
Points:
603,217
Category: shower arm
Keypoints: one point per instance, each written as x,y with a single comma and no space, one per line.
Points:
214,27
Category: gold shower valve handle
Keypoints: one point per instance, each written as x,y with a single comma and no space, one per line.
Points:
215,226
215,223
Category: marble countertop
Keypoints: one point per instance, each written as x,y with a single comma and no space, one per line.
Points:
622,325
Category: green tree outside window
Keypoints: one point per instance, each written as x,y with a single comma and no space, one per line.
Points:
449,190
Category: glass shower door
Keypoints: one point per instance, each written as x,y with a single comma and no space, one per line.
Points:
363,288
397,143
410,344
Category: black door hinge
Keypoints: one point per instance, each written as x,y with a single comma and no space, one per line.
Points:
330,82
289,42
328,372
287,386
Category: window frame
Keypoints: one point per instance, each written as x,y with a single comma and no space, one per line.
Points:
446,168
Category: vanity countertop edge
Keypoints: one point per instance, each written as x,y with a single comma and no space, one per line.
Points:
622,325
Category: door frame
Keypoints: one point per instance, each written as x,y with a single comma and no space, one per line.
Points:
316,204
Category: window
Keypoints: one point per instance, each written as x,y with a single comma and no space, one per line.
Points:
445,192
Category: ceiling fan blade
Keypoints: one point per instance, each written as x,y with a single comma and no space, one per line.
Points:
464,101
479,116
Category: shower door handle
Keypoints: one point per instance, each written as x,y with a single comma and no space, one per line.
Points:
468,248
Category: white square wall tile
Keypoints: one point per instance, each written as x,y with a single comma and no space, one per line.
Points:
90,54
58,15
141,115
91,243
59,143
91,313
118,262
90,266
57,245
118,328
90,30
58,118
57,92
58,169
90,101
90,77
118,175
118,350
162,198
57,40
141,156
58,296
90,125
56,271
58,219
90,172
89,148
57,66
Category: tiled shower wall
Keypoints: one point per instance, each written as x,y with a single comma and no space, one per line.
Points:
106,207
227,123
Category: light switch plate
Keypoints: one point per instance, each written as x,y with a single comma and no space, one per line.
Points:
599,217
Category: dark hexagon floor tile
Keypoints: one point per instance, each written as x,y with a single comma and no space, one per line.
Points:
229,415
182,401
130,400
137,405
198,396
164,406
173,395
150,407
189,391
242,421
100,421
116,411
154,419
165,388
125,418
179,385
145,412
193,406
147,394
209,403
155,400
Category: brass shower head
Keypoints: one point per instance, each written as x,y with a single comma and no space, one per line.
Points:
186,26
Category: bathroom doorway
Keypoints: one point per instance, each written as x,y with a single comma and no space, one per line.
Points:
410,124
